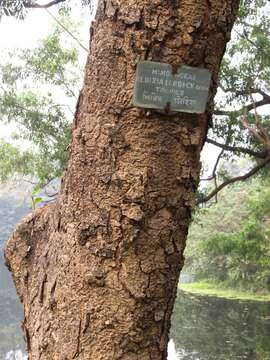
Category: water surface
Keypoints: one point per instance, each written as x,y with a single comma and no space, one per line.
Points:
210,328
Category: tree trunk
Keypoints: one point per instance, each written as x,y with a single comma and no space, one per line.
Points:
97,271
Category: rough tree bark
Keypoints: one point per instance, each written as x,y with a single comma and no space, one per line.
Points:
97,271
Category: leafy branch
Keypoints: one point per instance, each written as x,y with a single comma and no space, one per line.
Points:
17,8
35,5
246,176
258,132
238,149
66,30
254,104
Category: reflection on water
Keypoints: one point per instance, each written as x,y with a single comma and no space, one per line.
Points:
209,328
15,355
11,338
203,328
172,354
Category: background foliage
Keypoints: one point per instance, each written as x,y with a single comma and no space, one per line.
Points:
39,89
229,242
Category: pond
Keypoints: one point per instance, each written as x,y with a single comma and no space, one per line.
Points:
203,328
210,328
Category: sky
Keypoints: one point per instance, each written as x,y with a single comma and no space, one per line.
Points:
26,33
19,34
38,23
16,34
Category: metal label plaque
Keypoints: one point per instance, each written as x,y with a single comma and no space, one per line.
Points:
156,87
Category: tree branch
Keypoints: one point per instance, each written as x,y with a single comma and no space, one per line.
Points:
247,91
249,107
66,29
214,174
258,132
44,6
253,43
227,112
235,179
264,101
260,155
263,93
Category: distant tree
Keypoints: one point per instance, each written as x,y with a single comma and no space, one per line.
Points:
239,126
233,251
39,88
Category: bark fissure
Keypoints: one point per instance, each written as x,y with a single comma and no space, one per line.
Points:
77,352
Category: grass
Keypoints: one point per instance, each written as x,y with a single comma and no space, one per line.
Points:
204,288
